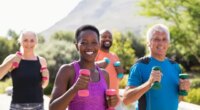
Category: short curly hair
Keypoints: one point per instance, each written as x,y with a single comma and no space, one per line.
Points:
86,27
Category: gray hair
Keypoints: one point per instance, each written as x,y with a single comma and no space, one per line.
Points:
158,28
24,32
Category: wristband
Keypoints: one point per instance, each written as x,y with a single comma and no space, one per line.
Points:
19,53
44,78
42,69
15,65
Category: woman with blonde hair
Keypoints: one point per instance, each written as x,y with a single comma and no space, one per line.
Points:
29,74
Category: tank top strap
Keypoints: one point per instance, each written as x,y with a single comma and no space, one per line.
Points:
76,68
38,58
102,77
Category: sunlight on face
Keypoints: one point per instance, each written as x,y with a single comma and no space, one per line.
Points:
159,44
28,41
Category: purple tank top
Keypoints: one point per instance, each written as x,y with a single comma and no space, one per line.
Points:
96,99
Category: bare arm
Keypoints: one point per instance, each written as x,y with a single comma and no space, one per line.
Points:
112,100
7,64
45,72
64,91
101,63
132,94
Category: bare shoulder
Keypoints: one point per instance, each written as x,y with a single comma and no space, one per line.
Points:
62,82
65,68
43,61
65,73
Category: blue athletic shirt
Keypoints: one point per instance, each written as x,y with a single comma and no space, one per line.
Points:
165,98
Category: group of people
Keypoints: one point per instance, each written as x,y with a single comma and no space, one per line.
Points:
30,74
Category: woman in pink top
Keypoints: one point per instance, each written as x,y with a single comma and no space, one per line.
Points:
68,81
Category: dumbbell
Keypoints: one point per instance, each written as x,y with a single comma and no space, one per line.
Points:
107,60
16,64
111,92
84,92
183,92
156,84
119,75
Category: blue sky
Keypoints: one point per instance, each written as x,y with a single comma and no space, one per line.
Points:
36,15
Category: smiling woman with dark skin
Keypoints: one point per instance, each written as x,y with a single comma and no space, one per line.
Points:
68,81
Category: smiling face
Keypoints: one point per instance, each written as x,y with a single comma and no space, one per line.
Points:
28,41
88,45
159,44
106,40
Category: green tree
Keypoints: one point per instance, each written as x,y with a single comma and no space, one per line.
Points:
12,34
62,35
41,39
184,23
137,44
122,47
56,53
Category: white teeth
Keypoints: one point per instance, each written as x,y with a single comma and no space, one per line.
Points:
89,53
107,42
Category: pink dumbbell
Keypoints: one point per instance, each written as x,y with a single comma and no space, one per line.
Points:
111,92
84,92
16,64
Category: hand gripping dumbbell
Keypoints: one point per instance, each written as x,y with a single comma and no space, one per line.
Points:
111,92
107,60
156,84
119,75
16,64
84,92
183,92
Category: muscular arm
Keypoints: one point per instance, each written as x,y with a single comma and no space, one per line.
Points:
62,92
132,94
101,64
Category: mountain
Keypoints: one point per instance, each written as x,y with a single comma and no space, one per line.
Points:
116,15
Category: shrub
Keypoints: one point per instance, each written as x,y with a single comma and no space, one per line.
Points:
5,84
195,68
195,83
193,96
123,82
49,88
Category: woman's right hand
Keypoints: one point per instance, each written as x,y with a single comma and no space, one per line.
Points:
9,63
81,83
15,60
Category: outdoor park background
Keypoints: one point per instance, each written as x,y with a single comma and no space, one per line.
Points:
181,16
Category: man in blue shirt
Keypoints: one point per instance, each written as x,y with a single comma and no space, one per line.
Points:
142,76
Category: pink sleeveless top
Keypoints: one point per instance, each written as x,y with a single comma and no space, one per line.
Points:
96,99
